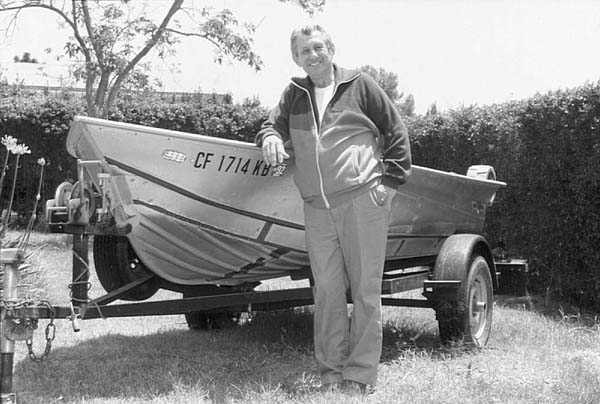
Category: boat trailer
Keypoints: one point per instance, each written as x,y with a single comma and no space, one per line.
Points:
208,303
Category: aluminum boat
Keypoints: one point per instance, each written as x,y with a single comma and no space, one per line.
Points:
204,210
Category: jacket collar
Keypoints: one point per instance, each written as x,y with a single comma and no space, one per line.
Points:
340,75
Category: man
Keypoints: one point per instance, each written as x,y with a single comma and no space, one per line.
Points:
352,152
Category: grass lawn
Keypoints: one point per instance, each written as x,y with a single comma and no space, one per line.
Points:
536,355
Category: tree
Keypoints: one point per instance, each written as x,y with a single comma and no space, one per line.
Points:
407,105
26,58
432,110
112,37
388,81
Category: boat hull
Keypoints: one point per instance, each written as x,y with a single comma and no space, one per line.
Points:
209,210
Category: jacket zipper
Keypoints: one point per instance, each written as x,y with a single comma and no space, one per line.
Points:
321,187
327,205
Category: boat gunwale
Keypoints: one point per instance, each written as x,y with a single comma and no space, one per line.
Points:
460,176
161,131
246,145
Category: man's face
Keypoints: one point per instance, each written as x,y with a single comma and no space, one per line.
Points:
313,55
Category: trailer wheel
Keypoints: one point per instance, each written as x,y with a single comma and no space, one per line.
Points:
117,265
470,318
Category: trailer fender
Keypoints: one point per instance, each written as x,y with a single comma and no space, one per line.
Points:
456,254
465,259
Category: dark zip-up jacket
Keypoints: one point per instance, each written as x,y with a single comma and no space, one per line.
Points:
360,143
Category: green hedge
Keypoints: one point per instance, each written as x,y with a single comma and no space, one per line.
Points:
205,116
42,122
546,148
558,212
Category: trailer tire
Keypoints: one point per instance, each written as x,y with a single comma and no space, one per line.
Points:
467,316
469,320
117,265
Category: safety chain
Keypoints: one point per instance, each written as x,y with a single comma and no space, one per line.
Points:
14,307
50,334
10,305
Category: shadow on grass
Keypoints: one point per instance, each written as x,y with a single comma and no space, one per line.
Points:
553,307
411,342
273,351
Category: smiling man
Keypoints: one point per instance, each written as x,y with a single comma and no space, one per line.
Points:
352,153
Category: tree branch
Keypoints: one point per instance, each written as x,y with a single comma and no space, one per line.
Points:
223,48
72,23
46,6
88,24
176,6
204,36
98,51
90,76
78,37
309,6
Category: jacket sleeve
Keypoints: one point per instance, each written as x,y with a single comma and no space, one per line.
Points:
393,135
277,123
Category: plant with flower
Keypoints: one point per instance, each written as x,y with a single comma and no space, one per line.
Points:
18,149
23,243
9,142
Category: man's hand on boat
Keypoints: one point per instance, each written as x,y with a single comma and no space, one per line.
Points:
273,150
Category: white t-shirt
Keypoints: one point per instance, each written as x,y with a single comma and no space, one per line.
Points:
323,96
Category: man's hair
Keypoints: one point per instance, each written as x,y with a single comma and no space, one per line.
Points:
309,30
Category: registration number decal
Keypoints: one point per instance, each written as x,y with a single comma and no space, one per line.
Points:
231,164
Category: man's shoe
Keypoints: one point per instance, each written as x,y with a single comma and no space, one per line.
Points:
352,387
329,387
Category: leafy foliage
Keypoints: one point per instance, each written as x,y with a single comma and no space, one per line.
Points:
560,134
43,122
388,81
204,115
310,6
112,37
26,58
547,150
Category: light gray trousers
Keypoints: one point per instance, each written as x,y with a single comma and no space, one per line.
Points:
346,246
